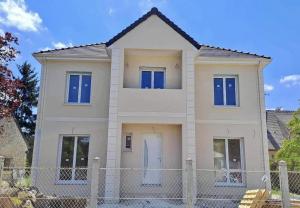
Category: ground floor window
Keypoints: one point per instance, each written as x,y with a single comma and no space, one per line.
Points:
74,158
229,161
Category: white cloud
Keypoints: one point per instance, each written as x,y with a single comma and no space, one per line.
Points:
290,80
268,88
146,5
1,32
59,45
111,11
14,13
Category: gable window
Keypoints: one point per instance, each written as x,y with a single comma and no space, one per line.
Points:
228,161
79,87
225,90
74,158
153,78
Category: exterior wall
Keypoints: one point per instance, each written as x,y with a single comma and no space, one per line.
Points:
171,63
228,122
12,142
131,180
59,118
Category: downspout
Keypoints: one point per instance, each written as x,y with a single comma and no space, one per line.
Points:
263,125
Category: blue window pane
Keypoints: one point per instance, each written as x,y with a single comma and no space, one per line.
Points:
85,89
146,79
218,91
159,79
230,91
73,88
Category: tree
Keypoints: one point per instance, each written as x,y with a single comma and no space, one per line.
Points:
290,150
9,99
28,93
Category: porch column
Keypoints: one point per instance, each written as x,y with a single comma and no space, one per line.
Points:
189,127
112,181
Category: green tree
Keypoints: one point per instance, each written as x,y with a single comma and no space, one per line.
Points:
290,150
24,114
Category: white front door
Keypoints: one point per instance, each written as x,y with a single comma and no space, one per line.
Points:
152,159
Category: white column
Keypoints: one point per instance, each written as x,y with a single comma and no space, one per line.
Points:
190,135
112,182
284,184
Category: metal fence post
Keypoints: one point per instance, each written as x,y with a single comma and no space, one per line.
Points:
284,184
94,183
189,183
1,167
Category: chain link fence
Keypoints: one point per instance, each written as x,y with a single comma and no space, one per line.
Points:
141,188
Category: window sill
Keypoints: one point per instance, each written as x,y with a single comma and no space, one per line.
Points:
226,106
233,185
77,104
71,182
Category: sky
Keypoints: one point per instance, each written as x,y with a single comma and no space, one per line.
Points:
269,27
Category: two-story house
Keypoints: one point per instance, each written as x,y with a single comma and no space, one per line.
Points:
150,98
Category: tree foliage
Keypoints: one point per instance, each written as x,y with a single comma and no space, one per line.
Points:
28,93
290,150
9,99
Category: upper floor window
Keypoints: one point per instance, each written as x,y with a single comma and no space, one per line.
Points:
74,158
79,87
153,78
225,90
228,161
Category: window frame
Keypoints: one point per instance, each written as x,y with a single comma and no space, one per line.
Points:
79,90
223,77
72,181
228,170
152,70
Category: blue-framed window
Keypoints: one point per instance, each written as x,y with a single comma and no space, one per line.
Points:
225,91
154,79
79,87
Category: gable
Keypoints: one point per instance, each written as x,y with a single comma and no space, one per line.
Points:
155,31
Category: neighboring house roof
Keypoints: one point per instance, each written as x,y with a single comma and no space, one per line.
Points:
204,50
277,130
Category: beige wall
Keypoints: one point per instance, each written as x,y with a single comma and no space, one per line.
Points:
135,61
248,109
55,89
131,181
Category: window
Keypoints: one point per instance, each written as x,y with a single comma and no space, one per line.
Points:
228,161
127,143
153,78
74,158
8,163
79,87
225,90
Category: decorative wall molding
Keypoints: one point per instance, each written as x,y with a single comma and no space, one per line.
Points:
237,122
76,119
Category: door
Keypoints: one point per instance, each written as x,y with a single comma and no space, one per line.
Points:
152,159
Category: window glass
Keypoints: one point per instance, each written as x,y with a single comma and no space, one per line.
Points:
218,91
159,79
230,91
73,88
234,154
85,89
67,158
77,148
82,155
228,161
146,79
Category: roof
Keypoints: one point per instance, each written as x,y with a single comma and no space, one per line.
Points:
277,130
205,50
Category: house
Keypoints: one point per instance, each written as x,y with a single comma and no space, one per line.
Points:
13,147
277,129
148,99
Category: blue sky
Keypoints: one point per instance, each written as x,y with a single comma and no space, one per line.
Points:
269,27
